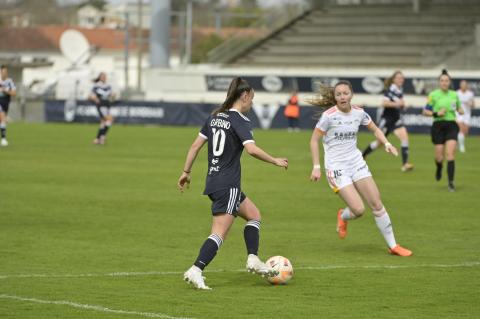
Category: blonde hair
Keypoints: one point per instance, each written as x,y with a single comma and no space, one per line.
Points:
389,81
325,97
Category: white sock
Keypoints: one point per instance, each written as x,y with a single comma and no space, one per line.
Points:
461,139
385,226
347,214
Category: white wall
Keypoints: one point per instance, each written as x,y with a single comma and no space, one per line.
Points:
188,84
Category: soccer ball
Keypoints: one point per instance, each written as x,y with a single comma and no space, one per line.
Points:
284,267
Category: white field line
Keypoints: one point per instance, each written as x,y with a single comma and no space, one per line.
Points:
90,307
468,264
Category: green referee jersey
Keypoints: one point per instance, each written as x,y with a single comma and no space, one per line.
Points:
440,99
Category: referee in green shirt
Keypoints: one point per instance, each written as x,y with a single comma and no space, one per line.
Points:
442,104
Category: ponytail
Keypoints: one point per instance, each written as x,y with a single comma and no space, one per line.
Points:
235,90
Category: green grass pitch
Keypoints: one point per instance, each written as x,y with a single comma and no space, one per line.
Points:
102,232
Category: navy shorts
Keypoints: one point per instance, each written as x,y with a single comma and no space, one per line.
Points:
4,106
227,201
103,108
388,124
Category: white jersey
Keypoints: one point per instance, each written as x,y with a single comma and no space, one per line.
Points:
340,139
466,98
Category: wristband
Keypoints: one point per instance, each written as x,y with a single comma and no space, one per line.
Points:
388,144
317,166
188,172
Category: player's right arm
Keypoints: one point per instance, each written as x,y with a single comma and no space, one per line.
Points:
314,140
429,109
185,178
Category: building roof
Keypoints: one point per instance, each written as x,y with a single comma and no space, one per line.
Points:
46,38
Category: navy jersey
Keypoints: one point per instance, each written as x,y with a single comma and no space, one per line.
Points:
4,97
227,133
394,93
102,90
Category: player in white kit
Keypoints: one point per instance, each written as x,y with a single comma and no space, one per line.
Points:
467,99
346,171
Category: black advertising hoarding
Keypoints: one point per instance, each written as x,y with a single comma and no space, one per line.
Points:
362,85
263,116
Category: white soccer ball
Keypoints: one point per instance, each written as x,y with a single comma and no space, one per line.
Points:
284,267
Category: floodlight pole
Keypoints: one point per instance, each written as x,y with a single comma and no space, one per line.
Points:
126,56
188,38
140,45
160,33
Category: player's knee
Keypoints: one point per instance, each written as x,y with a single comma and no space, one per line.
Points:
378,212
376,205
358,210
255,215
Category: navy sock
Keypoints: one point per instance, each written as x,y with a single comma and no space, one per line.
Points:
367,151
451,170
251,233
208,251
404,154
3,130
100,132
105,130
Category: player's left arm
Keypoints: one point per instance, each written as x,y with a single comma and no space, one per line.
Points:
459,105
195,148
389,148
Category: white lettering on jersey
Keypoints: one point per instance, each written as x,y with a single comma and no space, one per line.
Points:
219,137
220,123
340,139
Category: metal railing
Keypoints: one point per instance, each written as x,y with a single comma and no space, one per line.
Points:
264,27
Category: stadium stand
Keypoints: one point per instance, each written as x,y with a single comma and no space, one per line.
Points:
388,35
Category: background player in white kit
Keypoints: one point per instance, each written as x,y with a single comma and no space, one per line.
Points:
467,99
346,170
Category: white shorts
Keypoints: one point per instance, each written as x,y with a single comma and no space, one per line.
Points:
465,118
339,178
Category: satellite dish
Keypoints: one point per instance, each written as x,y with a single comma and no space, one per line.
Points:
74,46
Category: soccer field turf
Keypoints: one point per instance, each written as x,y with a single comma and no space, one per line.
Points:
102,232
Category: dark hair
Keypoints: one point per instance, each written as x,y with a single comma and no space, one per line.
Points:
3,66
445,72
326,95
98,76
389,81
235,90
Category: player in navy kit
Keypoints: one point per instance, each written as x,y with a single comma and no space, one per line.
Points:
102,96
392,118
228,131
7,90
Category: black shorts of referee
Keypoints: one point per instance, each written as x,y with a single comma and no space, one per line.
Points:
443,131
